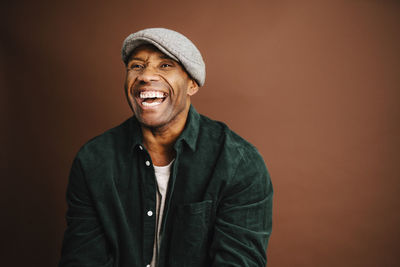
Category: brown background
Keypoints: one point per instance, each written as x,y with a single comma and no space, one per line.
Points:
315,85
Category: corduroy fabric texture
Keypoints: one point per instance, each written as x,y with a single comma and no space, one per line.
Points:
218,206
171,43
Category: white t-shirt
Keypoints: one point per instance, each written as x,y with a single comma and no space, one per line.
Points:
162,176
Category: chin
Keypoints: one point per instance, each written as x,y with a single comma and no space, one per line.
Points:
151,123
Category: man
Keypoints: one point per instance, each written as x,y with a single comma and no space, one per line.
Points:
168,187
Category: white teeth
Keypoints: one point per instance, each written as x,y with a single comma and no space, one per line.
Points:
151,94
159,98
152,104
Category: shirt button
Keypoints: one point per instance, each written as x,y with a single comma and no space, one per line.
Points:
140,147
147,163
149,213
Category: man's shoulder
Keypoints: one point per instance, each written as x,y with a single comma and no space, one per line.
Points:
219,133
107,143
236,157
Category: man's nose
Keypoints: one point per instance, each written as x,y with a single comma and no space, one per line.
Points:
149,74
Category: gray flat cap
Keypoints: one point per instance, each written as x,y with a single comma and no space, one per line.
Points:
171,43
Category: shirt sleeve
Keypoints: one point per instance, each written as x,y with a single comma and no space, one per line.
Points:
244,216
84,241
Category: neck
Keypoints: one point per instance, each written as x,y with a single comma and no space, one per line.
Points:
160,141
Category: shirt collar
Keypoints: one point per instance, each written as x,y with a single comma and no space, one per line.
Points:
191,130
135,133
189,134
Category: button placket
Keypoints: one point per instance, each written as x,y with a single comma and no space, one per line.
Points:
149,212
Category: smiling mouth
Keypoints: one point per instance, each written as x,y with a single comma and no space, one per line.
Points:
152,98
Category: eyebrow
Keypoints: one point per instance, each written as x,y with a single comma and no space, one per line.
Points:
166,57
136,58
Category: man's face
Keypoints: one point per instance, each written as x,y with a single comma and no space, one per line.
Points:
157,87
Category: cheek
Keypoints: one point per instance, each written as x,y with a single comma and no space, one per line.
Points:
181,87
129,80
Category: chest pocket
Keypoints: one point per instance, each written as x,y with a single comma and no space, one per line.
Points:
190,234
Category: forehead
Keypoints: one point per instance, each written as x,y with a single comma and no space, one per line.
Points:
147,50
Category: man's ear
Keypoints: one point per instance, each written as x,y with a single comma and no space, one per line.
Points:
193,87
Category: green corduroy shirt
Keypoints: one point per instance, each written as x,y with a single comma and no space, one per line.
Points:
218,209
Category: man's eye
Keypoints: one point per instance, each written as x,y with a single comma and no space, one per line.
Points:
166,65
136,66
